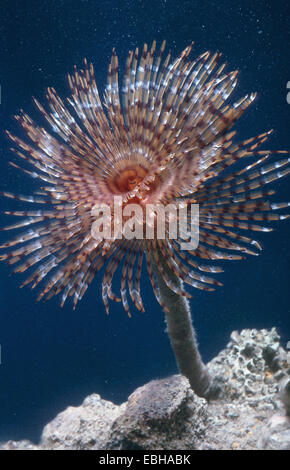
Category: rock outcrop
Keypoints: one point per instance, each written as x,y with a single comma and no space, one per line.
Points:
252,413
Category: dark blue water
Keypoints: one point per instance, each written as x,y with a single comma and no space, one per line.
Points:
53,357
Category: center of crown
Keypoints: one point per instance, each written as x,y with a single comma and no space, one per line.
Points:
127,179
134,182
130,179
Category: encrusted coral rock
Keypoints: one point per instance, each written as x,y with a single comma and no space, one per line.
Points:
253,412
285,394
276,434
163,414
85,427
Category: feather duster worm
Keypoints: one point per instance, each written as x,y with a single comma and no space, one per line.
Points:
169,141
